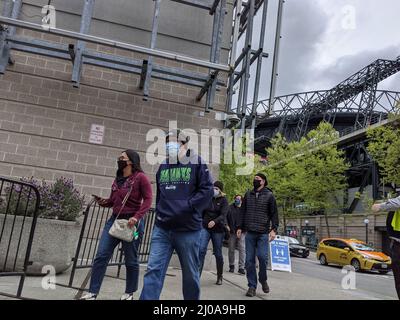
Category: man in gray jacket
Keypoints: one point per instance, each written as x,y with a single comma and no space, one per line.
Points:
393,227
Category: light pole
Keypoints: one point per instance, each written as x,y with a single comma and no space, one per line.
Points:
305,233
366,222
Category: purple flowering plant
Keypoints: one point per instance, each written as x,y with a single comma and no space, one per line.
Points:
59,200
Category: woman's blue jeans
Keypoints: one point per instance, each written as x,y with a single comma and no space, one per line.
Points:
105,251
217,240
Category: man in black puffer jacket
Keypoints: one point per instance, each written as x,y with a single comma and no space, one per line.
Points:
214,224
260,221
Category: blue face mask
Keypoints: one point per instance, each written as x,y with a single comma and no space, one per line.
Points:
238,202
172,149
216,193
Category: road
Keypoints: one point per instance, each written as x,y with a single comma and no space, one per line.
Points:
372,282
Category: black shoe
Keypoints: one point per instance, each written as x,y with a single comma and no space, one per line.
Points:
265,287
241,271
251,292
232,269
219,281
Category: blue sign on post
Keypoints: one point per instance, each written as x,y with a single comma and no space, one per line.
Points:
280,255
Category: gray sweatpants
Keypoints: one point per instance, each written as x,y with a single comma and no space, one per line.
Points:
240,243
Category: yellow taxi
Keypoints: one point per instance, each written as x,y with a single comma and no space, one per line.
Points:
352,252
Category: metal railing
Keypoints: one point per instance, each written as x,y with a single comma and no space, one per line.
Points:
19,207
376,119
95,218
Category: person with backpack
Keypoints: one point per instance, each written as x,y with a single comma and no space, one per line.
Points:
130,199
393,228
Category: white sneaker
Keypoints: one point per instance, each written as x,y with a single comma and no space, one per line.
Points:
127,296
89,296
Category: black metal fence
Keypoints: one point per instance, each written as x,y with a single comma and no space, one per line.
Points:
19,207
95,218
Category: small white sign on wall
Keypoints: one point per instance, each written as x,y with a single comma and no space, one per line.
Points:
96,134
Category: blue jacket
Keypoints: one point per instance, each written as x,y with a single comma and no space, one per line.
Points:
184,191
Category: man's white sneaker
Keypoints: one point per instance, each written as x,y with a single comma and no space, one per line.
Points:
89,296
127,296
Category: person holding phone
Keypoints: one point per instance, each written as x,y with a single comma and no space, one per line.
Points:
129,178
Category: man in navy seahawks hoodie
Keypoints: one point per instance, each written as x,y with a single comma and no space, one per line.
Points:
184,191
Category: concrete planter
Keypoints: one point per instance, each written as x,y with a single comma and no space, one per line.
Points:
54,243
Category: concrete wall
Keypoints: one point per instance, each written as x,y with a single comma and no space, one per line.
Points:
45,122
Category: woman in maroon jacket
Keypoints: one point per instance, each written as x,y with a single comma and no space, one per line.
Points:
138,204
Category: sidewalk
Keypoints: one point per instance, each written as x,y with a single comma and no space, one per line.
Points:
284,286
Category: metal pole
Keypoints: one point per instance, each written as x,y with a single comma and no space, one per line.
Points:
375,181
259,62
214,6
246,63
235,33
154,30
7,8
214,39
202,4
218,29
233,53
4,46
87,14
276,55
115,44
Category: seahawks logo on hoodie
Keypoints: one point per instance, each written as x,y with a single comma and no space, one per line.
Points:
175,175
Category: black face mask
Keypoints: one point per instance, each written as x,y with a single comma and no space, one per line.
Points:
256,184
122,164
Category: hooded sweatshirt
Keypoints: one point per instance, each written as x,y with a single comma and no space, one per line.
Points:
184,191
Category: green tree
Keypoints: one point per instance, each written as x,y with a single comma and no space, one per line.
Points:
233,182
311,171
384,147
323,178
282,171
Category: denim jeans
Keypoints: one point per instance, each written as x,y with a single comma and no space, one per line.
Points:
163,243
104,253
240,243
217,242
256,245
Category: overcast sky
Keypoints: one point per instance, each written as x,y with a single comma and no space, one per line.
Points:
326,41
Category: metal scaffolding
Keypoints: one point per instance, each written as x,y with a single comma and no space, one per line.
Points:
364,82
243,24
79,55
237,70
358,97
289,108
